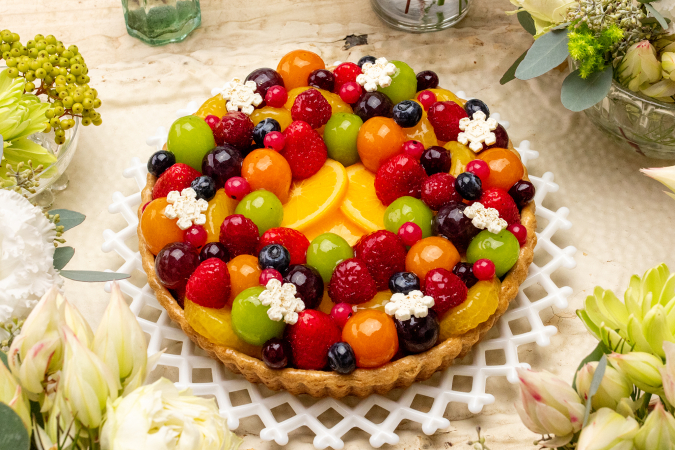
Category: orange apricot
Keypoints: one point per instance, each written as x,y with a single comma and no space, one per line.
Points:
505,168
372,336
379,139
158,230
296,66
267,169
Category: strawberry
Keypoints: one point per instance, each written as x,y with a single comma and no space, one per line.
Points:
345,73
444,117
351,283
175,178
384,255
311,107
295,242
438,190
447,289
240,235
209,285
304,150
310,338
236,129
500,200
399,176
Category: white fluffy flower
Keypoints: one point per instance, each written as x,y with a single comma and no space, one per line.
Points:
485,218
404,306
26,255
282,300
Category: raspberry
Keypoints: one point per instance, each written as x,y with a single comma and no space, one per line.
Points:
240,235
447,289
399,176
209,285
384,255
345,73
438,190
351,283
175,178
236,129
304,150
444,117
310,338
295,242
311,107
500,200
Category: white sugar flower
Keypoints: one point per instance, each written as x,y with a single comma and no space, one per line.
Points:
477,130
485,218
240,96
404,306
282,301
374,75
26,255
185,206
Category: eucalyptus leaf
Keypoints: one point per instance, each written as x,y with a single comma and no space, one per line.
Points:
510,74
657,15
13,434
92,276
579,93
547,53
3,358
68,219
595,355
527,22
595,384
61,256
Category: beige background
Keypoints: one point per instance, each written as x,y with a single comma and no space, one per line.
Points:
622,221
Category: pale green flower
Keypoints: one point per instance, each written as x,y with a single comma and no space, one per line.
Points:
640,67
13,396
665,175
643,369
658,431
668,65
546,13
613,387
668,372
608,430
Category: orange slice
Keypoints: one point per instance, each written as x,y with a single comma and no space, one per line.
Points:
481,302
361,204
220,207
336,223
313,199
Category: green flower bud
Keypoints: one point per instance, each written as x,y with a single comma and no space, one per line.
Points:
643,369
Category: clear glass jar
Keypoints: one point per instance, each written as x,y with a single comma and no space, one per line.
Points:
421,16
159,22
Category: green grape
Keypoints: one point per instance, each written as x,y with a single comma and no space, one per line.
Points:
501,248
51,49
11,62
250,320
97,122
6,55
48,81
39,37
403,83
97,102
30,75
12,72
64,62
86,121
5,47
29,87
6,35
50,39
55,122
70,78
40,45
49,113
77,109
78,96
88,103
58,110
408,209
190,138
67,54
327,251
30,44
68,102
263,208
76,69
340,136
33,52
40,73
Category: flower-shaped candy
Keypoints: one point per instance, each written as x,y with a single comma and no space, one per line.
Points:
374,75
477,130
185,206
404,306
282,301
485,218
240,96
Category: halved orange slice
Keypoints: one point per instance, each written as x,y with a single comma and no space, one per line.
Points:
361,204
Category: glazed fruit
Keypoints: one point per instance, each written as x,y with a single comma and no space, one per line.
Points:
403,83
263,208
379,140
214,250
500,200
215,106
414,149
520,232
484,269
222,163
341,313
383,252
296,66
265,78
239,234
410,233
435,159
190,138
398,177
352,283
502,138
373,104
276,96
235,128
350,92
276,353
422,132
451,223
308,283
372,335
250,320
464,271
209,285
322,79
267,169
263,127
274,256
327,251
481,302
175,178
427,79
340,136
469,186
268,275
474,105
502,249
196,236
304,150
431,253
244,273
281,115
294,241
361,204
157,229
212,121
408,209
418,334
341,358
204,187
404,282
445,117
460,156
522,192
311,107
275,140
505,168
407,113
237,188
338,223
345,73
366,59
311,338
447,289
479,168
426,99
219,208
377,303
160,161
438,190
175,263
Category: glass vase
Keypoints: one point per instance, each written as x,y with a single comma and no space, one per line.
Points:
159,22
421,16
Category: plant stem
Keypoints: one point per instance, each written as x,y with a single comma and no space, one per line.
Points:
407,6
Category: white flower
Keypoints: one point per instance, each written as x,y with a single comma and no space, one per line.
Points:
186,208
546,13
485,218
404,306
477,130
26,255
160,417
374,75
282,301
240,96
639,68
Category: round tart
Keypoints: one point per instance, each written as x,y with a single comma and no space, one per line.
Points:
337,231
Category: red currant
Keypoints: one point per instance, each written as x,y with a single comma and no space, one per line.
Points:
484,269
344,73
275,140
350,92
426,98
479,168
410,233
519,231
195,235
276,96
237,188
212,121
414,149
341,313
270,274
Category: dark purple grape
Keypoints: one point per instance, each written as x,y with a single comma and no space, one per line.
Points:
474,105
222,163
464,271
427,79
451,223
418,334
308,283
175,263
502,138
276,353
160,161
322,79
435,159
373,104
366,59
214,250
522,192
265,78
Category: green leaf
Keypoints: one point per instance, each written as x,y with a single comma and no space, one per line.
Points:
35,413
3,358
578,93
657,16
547,52
595,355
527,22
595,384
90,275
13,434
61,256
69,219
511,73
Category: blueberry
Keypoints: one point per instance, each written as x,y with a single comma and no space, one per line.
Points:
427,79
214,250
322,79
366,59
418,334
407,113
205,187
274,256
464,271
276,353
341,358
474,105
404,282
160,161
264,127
469,186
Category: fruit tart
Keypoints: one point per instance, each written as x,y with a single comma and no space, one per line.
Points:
336,231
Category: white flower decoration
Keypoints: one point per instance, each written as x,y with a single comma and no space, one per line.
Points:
485,218
26,256
477,130
404,306
158,139
282,301
240,96
374,75
185,206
